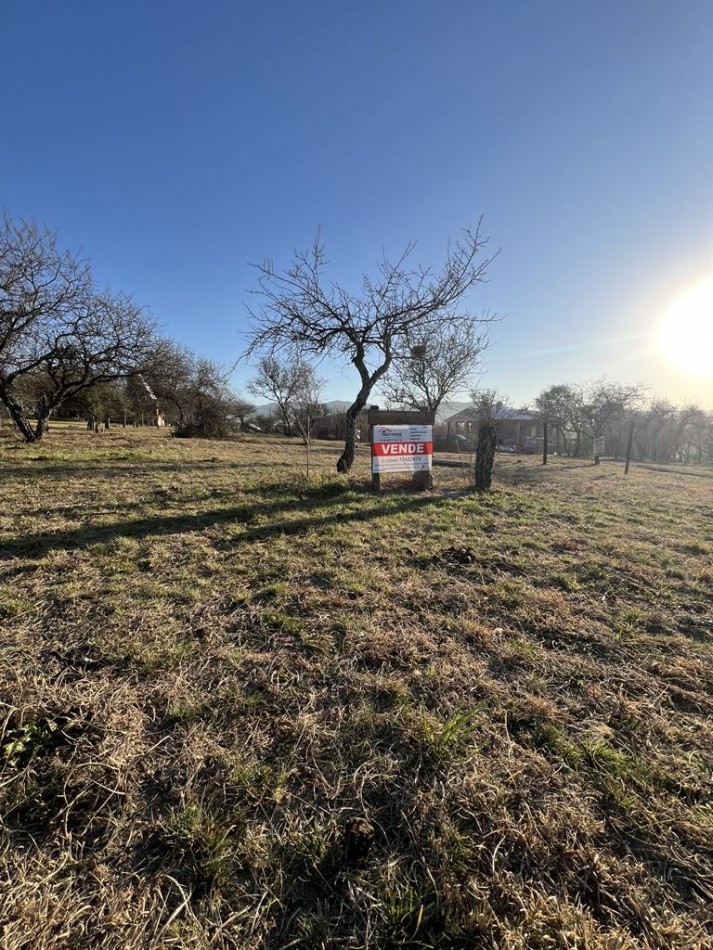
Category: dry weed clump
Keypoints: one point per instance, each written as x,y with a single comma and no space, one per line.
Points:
243,711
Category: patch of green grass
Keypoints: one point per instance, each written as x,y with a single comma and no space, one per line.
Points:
411,909
285,623
275,592
22,744
508,594
202,845
184,713
634,771
313,929
553,740
593,572
524,648
11,607
149,659
445,740
565,581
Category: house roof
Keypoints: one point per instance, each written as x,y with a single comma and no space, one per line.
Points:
503,414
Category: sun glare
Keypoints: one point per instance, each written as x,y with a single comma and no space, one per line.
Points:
686,332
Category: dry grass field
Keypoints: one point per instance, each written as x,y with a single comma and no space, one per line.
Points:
240,710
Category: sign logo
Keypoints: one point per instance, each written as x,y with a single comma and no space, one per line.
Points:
401,449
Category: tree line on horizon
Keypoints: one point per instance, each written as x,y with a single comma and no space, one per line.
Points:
580,413
68,346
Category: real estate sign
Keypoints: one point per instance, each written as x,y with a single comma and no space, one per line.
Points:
401,449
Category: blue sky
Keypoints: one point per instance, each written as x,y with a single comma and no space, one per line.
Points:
176,143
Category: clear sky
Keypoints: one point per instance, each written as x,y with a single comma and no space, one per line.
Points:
177,142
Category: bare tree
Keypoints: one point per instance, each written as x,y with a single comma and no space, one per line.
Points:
211,402
192,390
242,409
303,313
583,412
667,433
692,433
57,333
280,382
562,406
655,424
487,403
439,362
170,378
307,403
604,408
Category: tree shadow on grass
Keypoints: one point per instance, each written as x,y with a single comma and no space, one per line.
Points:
312,505
142,469
522,475
673,470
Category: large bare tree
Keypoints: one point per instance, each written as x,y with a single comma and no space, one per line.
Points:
439,362
194,392
282,382
302,313
294,387
182,380
58,335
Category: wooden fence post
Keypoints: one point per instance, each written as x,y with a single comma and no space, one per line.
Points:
629,446
485,457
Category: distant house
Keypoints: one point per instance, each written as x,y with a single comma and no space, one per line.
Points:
514,426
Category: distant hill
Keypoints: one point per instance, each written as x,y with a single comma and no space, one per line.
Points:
336,405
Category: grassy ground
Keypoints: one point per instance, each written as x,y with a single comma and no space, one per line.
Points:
243,711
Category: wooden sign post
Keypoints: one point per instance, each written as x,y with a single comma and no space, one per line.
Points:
401,441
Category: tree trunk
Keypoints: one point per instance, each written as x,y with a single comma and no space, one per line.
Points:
18,417
42,425
485,457
346,459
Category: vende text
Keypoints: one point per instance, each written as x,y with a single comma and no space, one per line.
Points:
403,448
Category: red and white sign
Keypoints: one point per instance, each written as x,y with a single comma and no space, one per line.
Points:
401,449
